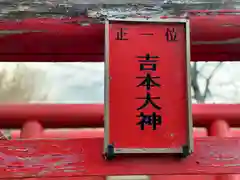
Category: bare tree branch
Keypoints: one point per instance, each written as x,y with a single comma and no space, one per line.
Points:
194,81
208,80
199,96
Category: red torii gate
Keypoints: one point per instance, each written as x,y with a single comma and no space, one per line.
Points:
72,158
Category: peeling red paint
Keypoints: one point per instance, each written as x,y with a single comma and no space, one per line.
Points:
219,155
27,160
83,157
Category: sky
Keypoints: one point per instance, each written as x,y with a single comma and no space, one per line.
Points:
67,82
84,82
225,84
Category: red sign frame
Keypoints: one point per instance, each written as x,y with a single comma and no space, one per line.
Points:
147,86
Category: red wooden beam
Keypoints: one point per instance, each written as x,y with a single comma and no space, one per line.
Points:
99,133
78,42
84,133
91,115
52,115
81,42
205,114
82,178
83,157
70,133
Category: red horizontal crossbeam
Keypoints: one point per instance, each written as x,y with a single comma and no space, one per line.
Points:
52,115
83,157
205,114
81,42
91,115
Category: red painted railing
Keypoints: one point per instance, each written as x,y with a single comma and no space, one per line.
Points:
91,115
33,118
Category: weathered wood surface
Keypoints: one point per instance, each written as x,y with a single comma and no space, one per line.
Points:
12,9
83,157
